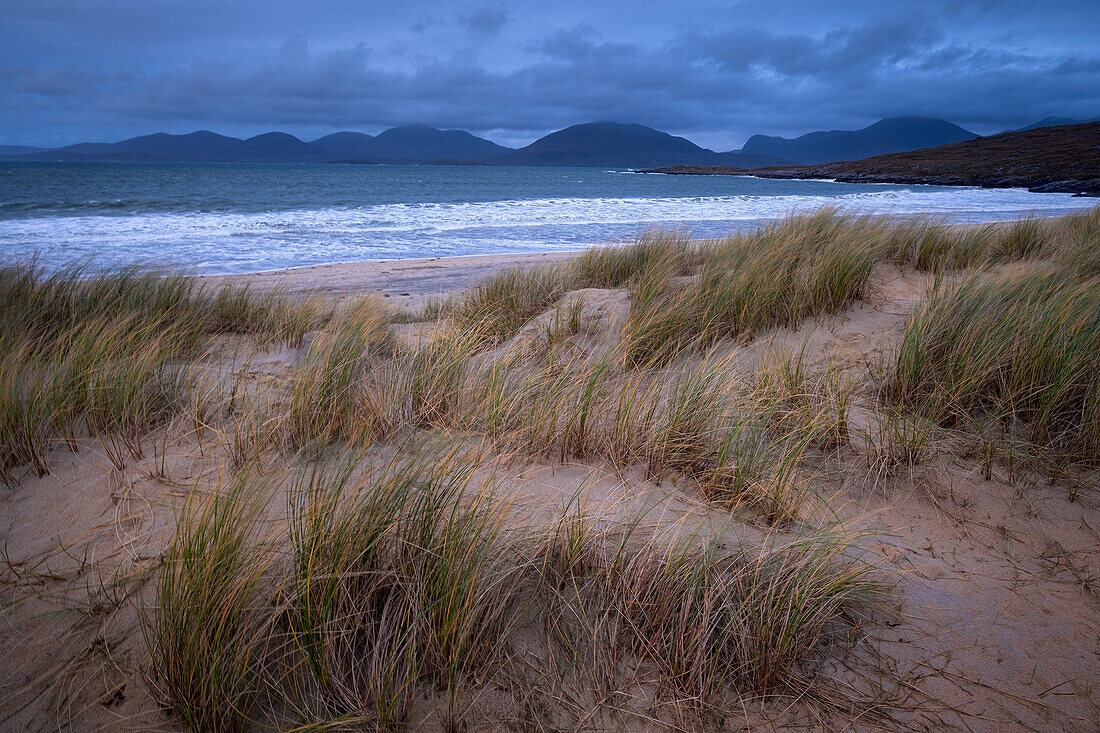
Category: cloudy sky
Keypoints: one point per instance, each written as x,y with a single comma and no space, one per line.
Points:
715,72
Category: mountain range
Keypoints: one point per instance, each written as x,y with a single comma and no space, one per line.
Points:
608,144
593,144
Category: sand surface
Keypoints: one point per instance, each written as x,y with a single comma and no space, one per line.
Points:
409,282
996,614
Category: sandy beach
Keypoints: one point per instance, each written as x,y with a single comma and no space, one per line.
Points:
409,282
504,367
978,548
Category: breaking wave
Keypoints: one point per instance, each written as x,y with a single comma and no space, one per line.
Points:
243,241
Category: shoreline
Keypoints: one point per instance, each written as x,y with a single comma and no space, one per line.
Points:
411,282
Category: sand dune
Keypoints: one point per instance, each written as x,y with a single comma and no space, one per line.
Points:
986,558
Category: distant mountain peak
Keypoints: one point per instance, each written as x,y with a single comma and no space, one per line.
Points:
342,137
274,136
415,127
422,143
599,135
623,145
345,146
1050,122
888,135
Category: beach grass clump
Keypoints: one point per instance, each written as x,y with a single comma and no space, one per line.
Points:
501,305
791,592
389,583
727,436
27,416
683,432
437,377
804,266
549,406
343,614
811,403
755,466
937,247
663,321
696,420
704,619
1023,344
39,306
108,376
210,633
1021,239
118,378
404,584
397,579
743,440
451,559
40,310
415,388
324,394
1073,242
105,354
271,317
615,266
940,247
898,439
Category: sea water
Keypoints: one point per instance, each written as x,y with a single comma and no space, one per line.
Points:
231,218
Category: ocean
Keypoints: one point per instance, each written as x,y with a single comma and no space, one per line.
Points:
234,218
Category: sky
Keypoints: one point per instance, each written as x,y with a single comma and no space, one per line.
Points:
714,72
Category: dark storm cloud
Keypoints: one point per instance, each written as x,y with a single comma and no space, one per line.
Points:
485,19
516,71
866,48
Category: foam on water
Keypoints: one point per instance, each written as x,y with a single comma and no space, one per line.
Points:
242,241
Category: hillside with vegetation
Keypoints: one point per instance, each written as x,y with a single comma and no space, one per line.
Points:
1064,158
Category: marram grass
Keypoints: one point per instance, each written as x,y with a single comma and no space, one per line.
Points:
1022,345
386,586
405,582
105,353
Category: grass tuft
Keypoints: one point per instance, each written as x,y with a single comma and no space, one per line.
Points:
322,406
802,267
1023,344
209,634
104,353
